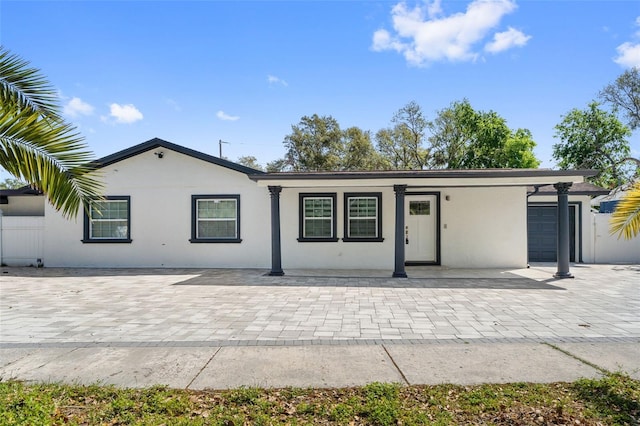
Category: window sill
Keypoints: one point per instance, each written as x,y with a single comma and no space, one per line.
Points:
318,240
107,241
215,240
363,240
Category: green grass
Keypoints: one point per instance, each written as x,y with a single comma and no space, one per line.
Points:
611,400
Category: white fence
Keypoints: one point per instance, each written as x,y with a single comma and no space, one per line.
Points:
21,240
608,248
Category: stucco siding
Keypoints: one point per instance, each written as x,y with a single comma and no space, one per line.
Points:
339,254
160,191
484,227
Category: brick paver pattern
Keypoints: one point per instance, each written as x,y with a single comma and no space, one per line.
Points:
54,307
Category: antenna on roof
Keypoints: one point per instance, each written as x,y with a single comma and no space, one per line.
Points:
220,142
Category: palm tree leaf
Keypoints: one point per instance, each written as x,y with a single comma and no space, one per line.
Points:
625,220
23,87
50,157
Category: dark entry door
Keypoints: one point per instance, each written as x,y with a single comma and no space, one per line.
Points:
542,227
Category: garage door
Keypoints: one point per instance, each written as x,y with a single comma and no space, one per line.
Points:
542,233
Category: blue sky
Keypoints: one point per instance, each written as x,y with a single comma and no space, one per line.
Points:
195,72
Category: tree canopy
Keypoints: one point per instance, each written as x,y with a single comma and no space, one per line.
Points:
594,139
463,138
624,96
459,137
36,145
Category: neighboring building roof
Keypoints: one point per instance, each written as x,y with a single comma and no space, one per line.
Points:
578,188
18,192
445,173
159,143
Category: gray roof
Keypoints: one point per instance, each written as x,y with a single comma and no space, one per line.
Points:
448,173
581,188
160,143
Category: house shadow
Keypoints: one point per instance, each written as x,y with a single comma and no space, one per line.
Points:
375,280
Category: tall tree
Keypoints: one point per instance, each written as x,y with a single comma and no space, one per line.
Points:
36,145
359,153
314,144
463,138
249,161
402,145
624,95
594,139
12,184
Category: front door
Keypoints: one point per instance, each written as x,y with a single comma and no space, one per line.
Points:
420,230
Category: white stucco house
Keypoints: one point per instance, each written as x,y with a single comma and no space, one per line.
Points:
169,206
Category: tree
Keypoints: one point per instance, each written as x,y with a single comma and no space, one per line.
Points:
359,153
279,165
315,144
12,184
36,145
625,219
624,95
463,138
402,144
249,161
594,139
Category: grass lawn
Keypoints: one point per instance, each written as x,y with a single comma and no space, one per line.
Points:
612,400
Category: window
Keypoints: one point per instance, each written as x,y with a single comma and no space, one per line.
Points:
363,217
215,219
317,217
108,220
419,208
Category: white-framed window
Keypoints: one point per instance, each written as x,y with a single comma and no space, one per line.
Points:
317,217
363,217
108,220
215,218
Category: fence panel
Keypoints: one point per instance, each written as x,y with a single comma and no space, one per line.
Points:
610,249
21,239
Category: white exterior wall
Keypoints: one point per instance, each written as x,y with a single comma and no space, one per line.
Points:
586,219
24,205
160,191
480,228
484,227
608,248
340,254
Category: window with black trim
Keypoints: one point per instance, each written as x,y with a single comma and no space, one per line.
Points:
363,217
215,219
318,217
108,220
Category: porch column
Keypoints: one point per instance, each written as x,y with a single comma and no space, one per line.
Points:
276,259
399,271
563,230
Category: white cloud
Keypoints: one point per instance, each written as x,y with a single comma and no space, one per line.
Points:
628,55
272,79
226,117
76,107
628,52
506,40
424,38
125,113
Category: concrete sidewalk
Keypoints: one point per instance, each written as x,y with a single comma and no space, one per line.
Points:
320,365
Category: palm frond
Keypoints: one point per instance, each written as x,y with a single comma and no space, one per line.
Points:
625,220
24,87
49,156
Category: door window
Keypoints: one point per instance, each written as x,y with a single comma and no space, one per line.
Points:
419,208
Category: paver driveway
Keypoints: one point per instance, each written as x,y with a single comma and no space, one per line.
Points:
190,307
